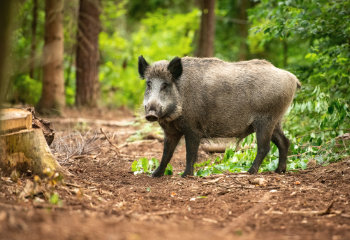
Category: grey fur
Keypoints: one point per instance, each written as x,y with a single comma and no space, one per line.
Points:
213,98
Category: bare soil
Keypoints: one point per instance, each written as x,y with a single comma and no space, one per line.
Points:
102,199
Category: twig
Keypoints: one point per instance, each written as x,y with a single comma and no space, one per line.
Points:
93,121
317,212
328,210
73,185
110,142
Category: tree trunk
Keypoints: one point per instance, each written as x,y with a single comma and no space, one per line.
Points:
21,147
7,13
285,52
207,29
52,97
33,44
243,29
87,58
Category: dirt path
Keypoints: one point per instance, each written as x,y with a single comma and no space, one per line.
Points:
102,199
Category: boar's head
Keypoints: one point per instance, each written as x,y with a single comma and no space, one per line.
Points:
162,99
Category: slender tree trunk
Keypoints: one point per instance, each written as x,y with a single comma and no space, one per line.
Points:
33,45
87,58
7,13
285,52
243,29
207,29
52,97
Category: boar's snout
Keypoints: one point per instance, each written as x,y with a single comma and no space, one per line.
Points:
152,116
151,112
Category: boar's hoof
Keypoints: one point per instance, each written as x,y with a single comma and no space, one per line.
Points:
253,170
280,170
157,173
185,174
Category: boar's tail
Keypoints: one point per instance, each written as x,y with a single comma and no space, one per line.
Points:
298,84
295,79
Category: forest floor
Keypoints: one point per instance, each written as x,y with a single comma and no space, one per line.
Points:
102,199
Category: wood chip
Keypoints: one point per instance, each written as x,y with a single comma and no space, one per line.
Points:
209,220
258,181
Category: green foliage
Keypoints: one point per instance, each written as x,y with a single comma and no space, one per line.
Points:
26,89
161,35
144,165
228,35
323,25
55,199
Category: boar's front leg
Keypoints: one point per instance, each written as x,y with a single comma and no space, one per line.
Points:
192,144
170,143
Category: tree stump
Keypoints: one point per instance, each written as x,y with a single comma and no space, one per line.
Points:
23,148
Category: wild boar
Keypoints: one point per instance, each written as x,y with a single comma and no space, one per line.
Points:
208,98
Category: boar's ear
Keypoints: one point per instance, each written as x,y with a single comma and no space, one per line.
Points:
142,66
175,67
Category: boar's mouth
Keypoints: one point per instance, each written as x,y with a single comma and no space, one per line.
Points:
152,116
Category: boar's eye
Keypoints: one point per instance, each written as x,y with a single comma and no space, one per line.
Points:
165,86
148,84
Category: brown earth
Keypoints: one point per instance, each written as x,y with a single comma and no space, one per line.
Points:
103,199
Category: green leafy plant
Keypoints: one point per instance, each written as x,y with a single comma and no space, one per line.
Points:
55,199
144,165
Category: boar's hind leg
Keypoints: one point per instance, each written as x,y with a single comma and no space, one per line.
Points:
170,143
282,144
192,144
263,135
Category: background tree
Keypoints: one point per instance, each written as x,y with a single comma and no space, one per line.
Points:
207,29
33,43
87,58
6,20
52,97
243,28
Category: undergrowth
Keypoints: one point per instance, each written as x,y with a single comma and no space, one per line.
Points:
300,154
144,165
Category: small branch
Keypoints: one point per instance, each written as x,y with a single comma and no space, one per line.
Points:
73,185
317,212
328,210
110,142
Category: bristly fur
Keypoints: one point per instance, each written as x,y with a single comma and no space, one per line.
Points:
158,70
